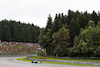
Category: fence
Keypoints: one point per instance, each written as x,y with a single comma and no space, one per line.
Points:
91,58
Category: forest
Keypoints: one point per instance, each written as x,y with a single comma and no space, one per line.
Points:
76,34
17,31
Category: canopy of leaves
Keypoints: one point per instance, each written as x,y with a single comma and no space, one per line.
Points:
61,42
18,32
89,40
82,30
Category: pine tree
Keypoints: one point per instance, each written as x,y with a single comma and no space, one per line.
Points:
0,32
49,23
94,17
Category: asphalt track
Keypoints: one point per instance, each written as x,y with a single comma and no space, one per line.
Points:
12,62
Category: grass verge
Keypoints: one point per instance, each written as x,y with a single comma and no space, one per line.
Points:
65,58
24,59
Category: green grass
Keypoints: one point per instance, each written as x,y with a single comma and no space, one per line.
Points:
24,59
64,58
67,63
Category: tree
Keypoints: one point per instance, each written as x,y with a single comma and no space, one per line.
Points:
48,42
84,49
77,26
70,16
72,30
29,34
6,33
17,31
24,37
56,24
91,40
41,39
75,50
61,41
98,24
97,52
91,23
86,44
94,17
0,32
49,23
76,41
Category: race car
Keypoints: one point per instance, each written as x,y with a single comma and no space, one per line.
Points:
35,61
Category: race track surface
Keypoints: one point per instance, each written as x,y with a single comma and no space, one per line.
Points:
12,62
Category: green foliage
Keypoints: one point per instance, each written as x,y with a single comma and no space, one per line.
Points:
91,23
76,41
18,32
94,17
98,24
42,54
97,52
82,28
61,41
41,39
74,29
89,40
0,31
6,33
48,42
49,23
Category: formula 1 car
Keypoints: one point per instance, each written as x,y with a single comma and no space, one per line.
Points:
35,61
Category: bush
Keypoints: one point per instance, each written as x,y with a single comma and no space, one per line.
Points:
97,52
42,54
